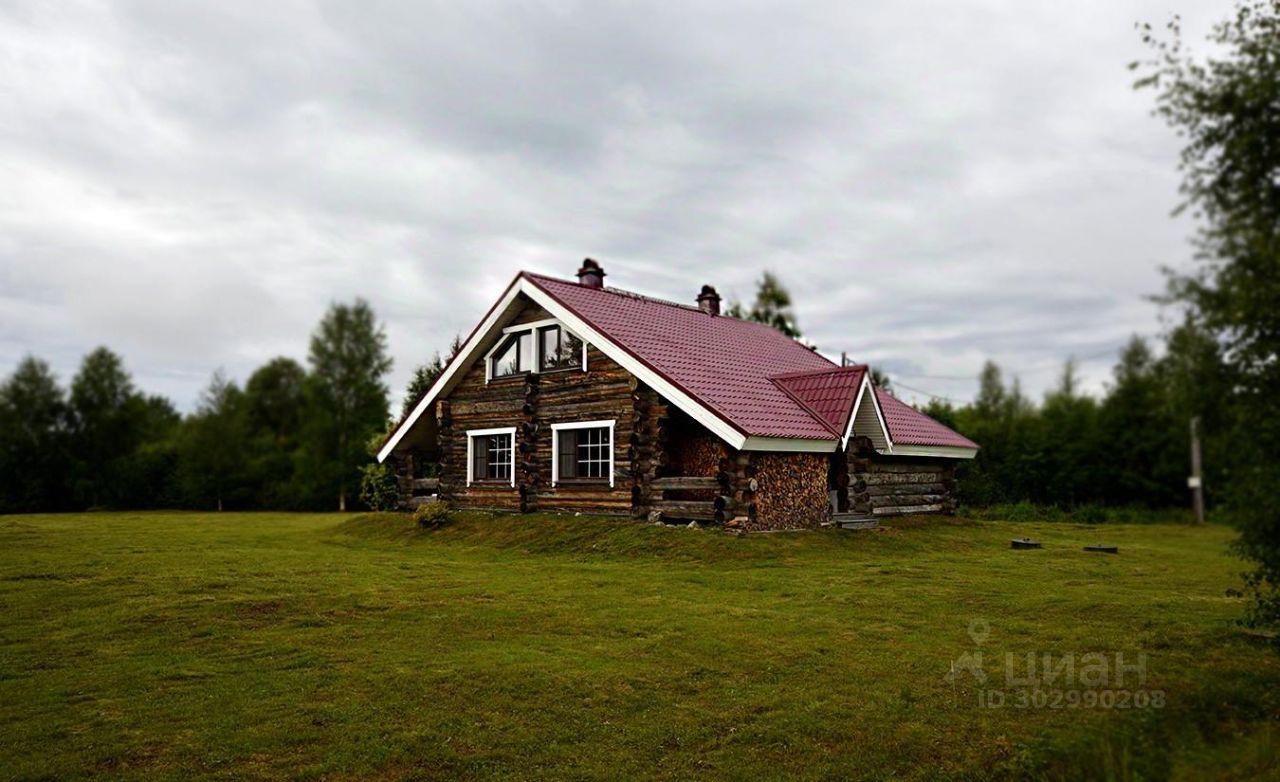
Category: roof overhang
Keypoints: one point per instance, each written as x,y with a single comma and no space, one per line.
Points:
790,444
522,285
936,451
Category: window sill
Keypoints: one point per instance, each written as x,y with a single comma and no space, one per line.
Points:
583,482
497,483
523,375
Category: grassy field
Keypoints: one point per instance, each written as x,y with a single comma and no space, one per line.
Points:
168,645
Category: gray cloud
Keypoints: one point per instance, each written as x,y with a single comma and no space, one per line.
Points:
192,184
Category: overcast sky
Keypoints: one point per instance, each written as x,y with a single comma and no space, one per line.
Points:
192,184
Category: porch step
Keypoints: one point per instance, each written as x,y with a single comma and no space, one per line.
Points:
854,521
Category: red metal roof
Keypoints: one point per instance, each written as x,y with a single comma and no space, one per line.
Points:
760,381
723,362
908,426
828,394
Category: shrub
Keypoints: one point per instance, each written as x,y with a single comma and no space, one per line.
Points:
1091,514
378,487
431,515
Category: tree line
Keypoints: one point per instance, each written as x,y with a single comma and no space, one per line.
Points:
1128,447
292,437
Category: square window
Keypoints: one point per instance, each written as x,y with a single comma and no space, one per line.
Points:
584,453
491,457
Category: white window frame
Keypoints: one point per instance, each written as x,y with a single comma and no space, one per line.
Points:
556,429
532,326
472,434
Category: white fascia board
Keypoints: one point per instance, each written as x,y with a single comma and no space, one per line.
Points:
789,444
937,451
679,398
875,404
456,366
555,444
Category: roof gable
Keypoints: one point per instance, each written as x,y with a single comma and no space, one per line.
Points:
828,394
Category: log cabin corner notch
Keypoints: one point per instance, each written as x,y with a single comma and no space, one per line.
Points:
574,396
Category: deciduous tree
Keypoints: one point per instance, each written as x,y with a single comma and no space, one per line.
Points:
1227,107
348,360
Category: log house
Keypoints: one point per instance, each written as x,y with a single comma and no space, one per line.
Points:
579,397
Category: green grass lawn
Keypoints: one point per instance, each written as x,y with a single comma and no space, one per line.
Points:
176,645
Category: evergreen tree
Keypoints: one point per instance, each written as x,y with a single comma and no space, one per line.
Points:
425,376
33,453
275,405
772,306
1067,445
214,444
106,425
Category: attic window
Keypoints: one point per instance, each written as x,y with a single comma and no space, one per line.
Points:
560,349
515,356
544,346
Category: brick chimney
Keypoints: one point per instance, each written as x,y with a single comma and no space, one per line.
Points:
709,300
591,275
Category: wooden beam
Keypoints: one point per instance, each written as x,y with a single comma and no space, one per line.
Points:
685,482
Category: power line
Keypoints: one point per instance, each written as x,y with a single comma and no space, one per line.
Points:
1025,370
900,384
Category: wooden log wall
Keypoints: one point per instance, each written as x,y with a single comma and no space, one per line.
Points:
889,486
791,490
444,435
402,467
646,447
531,403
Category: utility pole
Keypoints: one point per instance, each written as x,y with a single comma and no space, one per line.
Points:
1194,482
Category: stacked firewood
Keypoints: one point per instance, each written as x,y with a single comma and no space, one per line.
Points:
738,486
527,480
444,436
791,490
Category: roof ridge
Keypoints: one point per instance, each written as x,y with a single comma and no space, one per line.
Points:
667,303
833,369
621,292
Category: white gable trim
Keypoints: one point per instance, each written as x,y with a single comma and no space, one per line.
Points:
456,366
587,334
939,451
865,390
